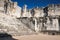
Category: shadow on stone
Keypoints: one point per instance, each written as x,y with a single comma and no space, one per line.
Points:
6,36
53,33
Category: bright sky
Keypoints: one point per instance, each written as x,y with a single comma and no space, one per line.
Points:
35,3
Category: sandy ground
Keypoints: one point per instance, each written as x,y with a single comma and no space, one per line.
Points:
33,37
38,37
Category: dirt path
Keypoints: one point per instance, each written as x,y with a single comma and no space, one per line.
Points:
38,37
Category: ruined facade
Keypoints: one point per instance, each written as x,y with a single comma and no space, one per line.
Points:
41,19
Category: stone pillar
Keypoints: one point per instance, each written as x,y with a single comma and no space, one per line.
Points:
15,4
48,25
25,11
55,25
25,8
36,25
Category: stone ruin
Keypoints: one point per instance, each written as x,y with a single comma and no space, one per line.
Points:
19,21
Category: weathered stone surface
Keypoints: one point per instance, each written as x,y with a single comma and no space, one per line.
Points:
12,25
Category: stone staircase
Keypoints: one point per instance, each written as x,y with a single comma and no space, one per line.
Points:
15,26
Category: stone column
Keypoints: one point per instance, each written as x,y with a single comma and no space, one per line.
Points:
36,25
55,25
48,24
25,11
